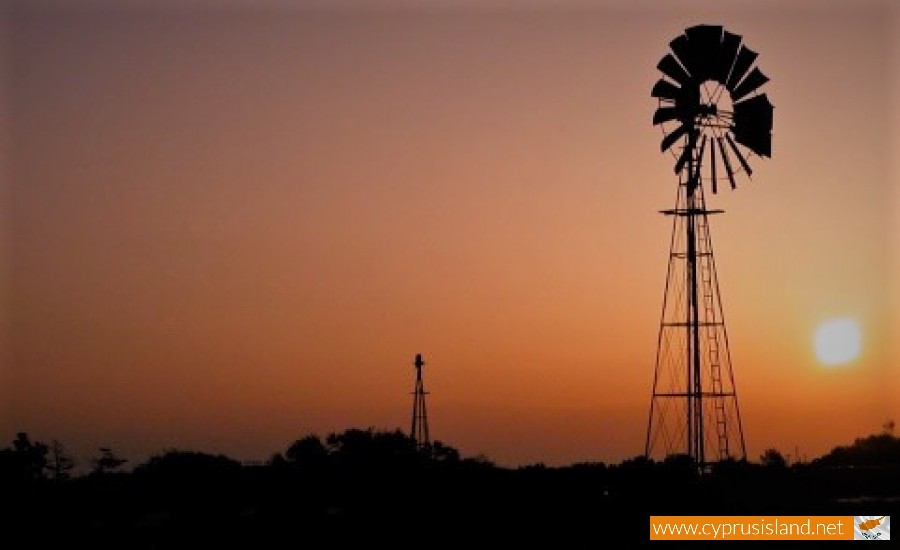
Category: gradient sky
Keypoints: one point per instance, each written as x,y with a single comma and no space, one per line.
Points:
226,225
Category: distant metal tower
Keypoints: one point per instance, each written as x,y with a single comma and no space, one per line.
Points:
419,430
694,408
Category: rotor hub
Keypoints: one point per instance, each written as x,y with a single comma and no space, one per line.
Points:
707,110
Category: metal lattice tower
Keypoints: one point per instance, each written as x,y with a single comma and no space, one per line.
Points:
693,406
419,429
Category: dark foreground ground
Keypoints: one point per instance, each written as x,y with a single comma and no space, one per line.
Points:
392,496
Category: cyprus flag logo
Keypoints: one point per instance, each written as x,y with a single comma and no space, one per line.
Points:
871,527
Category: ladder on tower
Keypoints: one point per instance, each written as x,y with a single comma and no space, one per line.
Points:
713,325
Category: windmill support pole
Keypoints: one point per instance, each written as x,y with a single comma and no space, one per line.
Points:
689,320
695,390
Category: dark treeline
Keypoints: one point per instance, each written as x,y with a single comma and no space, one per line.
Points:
366,486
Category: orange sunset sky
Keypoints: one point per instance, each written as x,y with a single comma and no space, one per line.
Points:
229,224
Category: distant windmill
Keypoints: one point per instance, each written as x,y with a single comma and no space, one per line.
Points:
419,430
712,134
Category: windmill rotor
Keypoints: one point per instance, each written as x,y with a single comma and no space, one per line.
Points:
710,110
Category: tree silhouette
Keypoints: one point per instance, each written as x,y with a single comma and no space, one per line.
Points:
308,451
366,449
59,463
875,450
443,452
771,458
23,462
679,463
33,456
187,463
107,462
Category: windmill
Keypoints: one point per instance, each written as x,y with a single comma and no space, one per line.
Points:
714,121
419,429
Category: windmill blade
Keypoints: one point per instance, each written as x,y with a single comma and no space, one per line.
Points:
707,38
705,43
753,81
712,154
745,58
758,140
684,54
753,124
730,44
665,114
697,172
664,89
728,169
670,67
673,137
755,111
737,153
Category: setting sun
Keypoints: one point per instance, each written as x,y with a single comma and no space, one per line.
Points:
838,341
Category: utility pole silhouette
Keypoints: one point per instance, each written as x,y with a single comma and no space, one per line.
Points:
419,430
